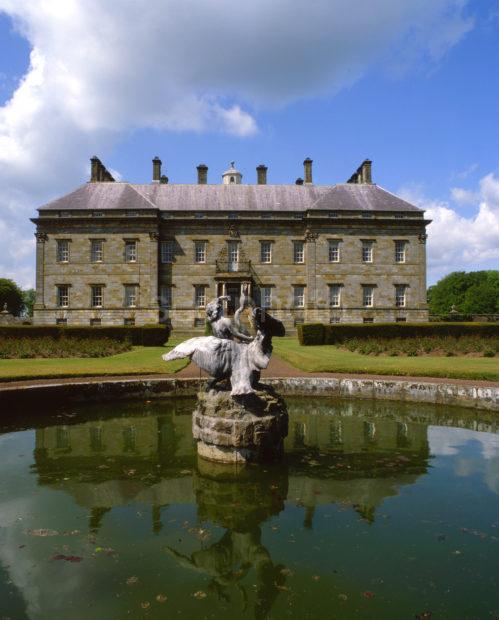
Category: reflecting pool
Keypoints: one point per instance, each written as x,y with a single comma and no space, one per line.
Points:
378,510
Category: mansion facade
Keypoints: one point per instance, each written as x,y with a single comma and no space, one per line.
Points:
114,253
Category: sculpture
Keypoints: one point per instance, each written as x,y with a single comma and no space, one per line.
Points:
222,357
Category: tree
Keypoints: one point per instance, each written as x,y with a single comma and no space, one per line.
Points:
29,296
476,292
11,295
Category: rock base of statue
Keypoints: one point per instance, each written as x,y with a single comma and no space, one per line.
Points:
240,429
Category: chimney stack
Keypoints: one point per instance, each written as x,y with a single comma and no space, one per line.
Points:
366,171
156,169
202,174
98,172
307,165
261,174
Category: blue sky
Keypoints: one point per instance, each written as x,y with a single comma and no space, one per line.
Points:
416,89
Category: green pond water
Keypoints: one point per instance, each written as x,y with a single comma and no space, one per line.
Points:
378,510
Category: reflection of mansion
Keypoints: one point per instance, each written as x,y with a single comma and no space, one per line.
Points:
113,253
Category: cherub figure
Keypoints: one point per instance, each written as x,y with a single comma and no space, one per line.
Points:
222,326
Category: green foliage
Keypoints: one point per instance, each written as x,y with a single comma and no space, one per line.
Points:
45,347
29,296
476,292
343,334
208,330
147,336
311,333
11,295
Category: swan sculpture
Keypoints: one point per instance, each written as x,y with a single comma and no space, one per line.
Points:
226,358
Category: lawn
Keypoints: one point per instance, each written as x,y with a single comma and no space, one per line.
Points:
328,358
138,361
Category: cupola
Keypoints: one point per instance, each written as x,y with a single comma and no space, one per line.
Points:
232,176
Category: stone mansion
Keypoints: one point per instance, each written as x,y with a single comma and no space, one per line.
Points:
114,253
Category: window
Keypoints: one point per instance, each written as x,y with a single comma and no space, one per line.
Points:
367,215
333,214
131,213
200,295
165,296
63,250
96,251
65,214
95,322
63,296
130,322
167,251
131,295
334,251
400,251
299,296
298,252
400,293
266,216
367,251
98,214
61,321
297,216
368,319
266,297
232,216
96,295
233,255
265,251
400,319
130,251
199,322
399,216
335,319
200,251
368,296
335,295
199,215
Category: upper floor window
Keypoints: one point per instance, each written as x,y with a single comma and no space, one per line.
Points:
199,215
333,214
167,251
131,251
298,252
98,214
265,251
334,251
96,295
366,214
96,250
200,295
266,297
368,296
165,296
335,295
63,250
400,295
131,213
400,247
131,295
232,216
200,251
63,296
399,216
299,296
367,251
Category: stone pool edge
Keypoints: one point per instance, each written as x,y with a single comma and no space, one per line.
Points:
478,397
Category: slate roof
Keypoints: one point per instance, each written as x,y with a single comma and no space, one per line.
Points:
174,197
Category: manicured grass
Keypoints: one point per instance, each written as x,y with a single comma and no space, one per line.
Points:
138,361
328,358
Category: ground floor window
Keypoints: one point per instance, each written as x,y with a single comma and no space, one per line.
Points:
61,321
335,295
299,296
266,297
131,295
368,296
368,319
63,296
129,322
95,322
200,295
400,294
96,297
165,296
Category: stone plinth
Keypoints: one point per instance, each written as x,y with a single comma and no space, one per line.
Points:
241,429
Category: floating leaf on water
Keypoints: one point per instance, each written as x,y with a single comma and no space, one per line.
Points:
343,597
68,558
316,577
145,604
368,594
42,533
286,572
424,615
161,598
200,594
132,580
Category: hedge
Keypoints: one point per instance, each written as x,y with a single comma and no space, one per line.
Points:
317,333
146,336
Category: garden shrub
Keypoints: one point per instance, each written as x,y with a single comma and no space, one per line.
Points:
311,333
147,335
46,347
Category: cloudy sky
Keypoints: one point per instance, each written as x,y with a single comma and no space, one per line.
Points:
412,85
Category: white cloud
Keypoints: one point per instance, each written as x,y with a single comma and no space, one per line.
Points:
101,69
456,242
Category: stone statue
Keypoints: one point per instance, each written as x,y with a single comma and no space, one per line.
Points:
222,326
223,357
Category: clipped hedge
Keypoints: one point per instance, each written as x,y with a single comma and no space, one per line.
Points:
146,336
316,333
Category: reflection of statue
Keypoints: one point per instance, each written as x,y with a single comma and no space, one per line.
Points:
228,359
241,505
